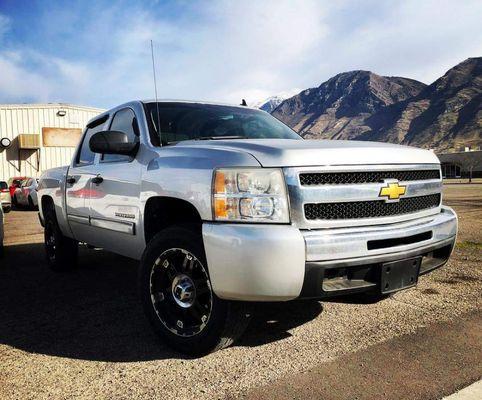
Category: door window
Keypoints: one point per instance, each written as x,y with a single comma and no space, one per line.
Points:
124,121
85,156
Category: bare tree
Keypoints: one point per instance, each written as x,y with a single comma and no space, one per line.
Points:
469,161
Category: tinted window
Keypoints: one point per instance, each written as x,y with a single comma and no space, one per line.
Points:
85,155
124,121
3,185
185,121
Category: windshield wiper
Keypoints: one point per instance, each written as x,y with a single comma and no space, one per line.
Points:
220,137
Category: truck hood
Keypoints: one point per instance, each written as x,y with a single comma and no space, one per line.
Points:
298,153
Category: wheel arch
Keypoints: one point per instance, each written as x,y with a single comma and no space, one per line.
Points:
161,212
47,205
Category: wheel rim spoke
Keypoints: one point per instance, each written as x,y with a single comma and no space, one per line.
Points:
202,287
188,263
197,311
180,292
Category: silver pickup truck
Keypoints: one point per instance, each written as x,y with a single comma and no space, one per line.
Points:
225,205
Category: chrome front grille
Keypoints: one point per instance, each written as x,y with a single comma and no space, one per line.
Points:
369,209
347,178
350,196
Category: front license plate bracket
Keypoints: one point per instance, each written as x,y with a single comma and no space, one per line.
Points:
398,275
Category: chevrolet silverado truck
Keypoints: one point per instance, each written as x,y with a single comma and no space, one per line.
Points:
225,206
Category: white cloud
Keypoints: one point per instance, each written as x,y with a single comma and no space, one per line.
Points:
226,51
19,84
420,40
52,79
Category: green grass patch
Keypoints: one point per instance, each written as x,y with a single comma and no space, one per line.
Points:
467,244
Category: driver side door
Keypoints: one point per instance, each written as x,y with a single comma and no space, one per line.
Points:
78,185
115,193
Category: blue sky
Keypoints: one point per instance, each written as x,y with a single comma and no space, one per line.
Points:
97,53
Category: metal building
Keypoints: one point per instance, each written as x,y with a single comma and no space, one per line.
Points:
466,164
35,137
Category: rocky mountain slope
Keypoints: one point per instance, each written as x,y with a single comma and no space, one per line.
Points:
446,115
362,105
338,108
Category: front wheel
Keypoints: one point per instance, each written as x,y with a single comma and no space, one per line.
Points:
178,299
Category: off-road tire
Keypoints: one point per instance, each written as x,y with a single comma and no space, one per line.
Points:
227,320
61,252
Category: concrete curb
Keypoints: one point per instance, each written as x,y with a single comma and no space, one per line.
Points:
471,392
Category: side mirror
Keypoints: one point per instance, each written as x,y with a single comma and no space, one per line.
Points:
112,142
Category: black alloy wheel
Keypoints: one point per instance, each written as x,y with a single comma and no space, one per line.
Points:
181,293
178,298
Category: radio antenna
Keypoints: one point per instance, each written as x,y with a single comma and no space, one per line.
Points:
155,92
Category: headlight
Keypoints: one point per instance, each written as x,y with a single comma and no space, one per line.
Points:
250,195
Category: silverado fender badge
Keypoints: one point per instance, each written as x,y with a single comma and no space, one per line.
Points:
124,215
392,190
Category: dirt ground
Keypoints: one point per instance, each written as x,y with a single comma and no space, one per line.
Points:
82,334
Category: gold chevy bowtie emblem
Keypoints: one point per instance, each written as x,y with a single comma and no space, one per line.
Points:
392,191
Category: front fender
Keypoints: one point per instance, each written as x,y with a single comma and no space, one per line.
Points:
186,173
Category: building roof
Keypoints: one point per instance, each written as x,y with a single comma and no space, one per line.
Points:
464,159
51,105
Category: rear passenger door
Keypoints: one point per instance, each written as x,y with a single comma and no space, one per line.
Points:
115,211
78,185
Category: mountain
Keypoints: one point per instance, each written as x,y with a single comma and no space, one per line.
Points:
338,108
272,102
445,115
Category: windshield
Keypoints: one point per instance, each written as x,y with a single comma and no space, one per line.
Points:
186,121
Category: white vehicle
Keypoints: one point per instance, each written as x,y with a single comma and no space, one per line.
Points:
26,194
225,205
5,197
2,220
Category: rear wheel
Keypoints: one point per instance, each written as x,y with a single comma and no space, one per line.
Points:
178,299
60,250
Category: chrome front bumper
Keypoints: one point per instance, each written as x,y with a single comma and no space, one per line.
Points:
339,245
280,262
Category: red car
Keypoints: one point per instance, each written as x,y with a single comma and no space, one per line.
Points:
14,183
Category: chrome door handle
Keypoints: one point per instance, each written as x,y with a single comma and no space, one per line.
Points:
97,180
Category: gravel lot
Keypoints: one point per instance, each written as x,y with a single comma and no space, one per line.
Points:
83,334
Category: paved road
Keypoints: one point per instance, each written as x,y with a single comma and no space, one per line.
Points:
82,334
432,362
